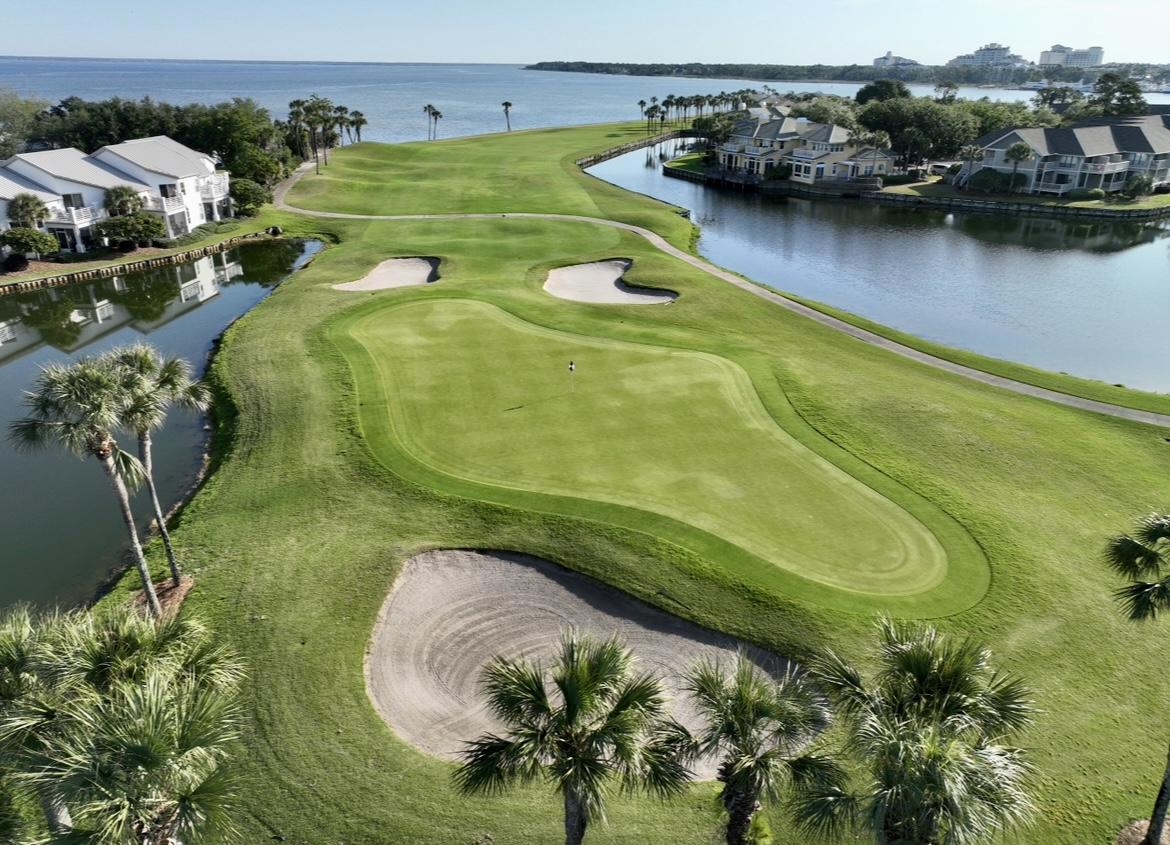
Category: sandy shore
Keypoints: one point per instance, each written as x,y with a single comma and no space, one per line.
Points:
396,273
449,612
601,282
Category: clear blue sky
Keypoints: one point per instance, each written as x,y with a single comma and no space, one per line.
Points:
521,31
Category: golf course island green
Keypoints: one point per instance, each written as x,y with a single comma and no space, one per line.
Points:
722,458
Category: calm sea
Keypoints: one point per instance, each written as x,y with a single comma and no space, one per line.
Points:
391,96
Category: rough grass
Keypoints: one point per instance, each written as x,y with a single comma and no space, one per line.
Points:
299,533
939,189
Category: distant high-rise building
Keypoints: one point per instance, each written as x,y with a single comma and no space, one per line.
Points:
989,55
890,60
1061,56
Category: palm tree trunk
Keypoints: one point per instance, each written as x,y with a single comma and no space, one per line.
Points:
120,491
145,455
576,819
741,807
1161,804
56,813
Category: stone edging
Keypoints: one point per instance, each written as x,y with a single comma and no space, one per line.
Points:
128,267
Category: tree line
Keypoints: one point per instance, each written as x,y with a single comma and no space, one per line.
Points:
930,74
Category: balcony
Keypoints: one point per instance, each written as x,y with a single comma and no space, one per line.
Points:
215,187
83,216
165,205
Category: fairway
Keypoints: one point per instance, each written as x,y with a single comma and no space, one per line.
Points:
682,434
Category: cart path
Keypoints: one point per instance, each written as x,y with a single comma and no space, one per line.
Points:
864,335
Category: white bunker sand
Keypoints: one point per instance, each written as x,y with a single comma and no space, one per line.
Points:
395,273
601,281
449,612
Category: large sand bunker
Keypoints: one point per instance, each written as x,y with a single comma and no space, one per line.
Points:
601,281
449,612
396,273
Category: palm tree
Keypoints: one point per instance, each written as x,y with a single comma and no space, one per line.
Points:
760,728
340,120
1138,557
1017,153
297,127
357,120
78,408
642,108
65,674
931,732
429,111
508,113
970,154
601,723
436,116
121,200
27,211
155,385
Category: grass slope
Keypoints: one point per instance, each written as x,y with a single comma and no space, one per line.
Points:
299,533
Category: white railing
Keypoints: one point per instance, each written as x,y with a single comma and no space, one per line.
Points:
83,216
7,332
167,205
215,186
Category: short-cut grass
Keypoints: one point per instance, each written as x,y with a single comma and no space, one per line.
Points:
301,529
511,416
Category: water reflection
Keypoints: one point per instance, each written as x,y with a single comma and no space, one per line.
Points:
1088,297
59,529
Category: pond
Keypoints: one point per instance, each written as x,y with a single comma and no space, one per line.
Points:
60,533
1087,298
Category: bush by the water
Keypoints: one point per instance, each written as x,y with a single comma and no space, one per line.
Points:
1086,194
23,240
249,196
991,181
15,262
899,179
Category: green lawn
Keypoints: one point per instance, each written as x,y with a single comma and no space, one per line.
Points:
691,161
311,510
939,189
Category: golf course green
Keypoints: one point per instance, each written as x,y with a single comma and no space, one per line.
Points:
720,457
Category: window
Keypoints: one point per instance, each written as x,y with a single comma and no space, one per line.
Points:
167,190
73,200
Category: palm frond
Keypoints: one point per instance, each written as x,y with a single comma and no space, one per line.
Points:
515,691
1144,600
1132,559
129,468
1154,529
491,764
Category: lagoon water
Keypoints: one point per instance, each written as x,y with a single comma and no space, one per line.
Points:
1091,298
60,531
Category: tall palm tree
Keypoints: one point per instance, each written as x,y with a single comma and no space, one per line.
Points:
340,120
1143,558
760,729
507,113
429,111
297,128
1017,154
27,211
78,408
121,200
436,116
357,120
155,384
586,723
642,108
932,733
970,154
63,673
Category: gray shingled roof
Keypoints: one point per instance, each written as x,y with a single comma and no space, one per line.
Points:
1105,136
164,156
12,184
76,166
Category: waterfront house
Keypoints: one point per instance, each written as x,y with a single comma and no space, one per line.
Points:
1102,153
758,144
174,181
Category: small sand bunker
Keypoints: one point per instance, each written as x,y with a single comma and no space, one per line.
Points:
449,612
396,273
601,281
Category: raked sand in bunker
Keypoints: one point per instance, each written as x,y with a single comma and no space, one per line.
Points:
449,612
396,273
601,282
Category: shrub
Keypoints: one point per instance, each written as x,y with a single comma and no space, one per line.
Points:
1164,188
249,196
15,262
992,181
780,172
1138,186
140,226
23,240
1086,194
899,179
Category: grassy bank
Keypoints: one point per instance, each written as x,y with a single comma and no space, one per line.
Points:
938,189
301,530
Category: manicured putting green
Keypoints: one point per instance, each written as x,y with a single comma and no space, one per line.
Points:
483,396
